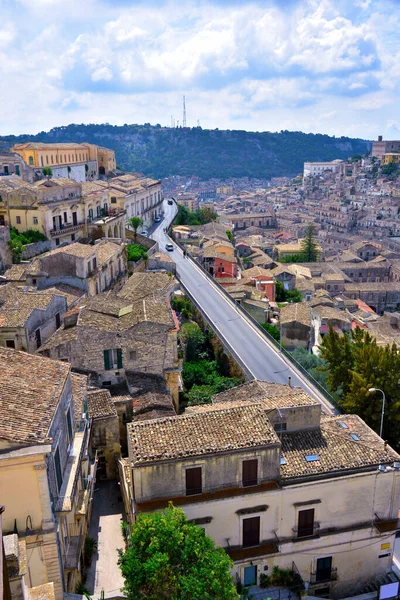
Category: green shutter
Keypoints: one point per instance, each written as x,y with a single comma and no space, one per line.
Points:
119,358
107,360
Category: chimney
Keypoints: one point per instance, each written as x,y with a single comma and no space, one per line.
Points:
71,317
379,138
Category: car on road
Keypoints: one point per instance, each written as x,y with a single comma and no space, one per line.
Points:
157,219
169,247
144,232
170,202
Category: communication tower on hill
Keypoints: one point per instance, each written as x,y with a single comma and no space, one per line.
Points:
184,113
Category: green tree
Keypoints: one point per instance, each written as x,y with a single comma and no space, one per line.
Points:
280,292
168,558
272,330
135,223
337,351
229,235
309,247
193,339
134,252
47,172
293,295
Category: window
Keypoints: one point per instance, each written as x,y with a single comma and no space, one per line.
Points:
10,344
38,338
47,160
251,532
72,237
89,266
35,220
324,569
31,160
355,437
311,457
6,171
113,359
132,355
113,200
342,424
279,427
57,465
18,220
69,424
305,523
193,481
57,241
65,217
58,320
94,262
249,472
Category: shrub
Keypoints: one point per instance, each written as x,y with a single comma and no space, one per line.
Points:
134,252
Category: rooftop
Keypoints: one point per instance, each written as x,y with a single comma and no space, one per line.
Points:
270,395
334,448
219,428
299,312
30,388
100,404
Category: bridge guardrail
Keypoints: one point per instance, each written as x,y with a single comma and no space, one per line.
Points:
271,339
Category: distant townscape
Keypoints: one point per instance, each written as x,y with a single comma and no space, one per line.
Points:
200,368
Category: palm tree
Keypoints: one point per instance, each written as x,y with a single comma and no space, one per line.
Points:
135,223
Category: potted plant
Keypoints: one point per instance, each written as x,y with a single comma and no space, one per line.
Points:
89,550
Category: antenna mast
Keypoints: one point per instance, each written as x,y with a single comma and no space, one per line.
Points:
184,113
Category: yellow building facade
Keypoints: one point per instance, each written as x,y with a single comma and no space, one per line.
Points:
390,158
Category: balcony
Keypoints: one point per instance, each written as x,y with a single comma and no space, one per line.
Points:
106,216
244,553
302,533
85,496
386,525
71,559
66,228
323,576
72,471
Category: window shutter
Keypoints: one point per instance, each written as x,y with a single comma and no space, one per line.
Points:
119,358
106,360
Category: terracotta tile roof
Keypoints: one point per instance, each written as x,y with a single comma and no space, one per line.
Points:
30,389
100,404
334,448
79,391
151,401
61,336
218,428
15,273
270,395
18,305
299,312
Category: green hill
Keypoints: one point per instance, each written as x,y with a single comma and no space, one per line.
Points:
161,151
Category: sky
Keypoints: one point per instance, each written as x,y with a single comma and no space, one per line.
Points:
319,66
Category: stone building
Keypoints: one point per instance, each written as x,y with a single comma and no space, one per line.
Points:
105,432
296,326
11,163
46,469
276,483
130,331
138,195
90,268
29,318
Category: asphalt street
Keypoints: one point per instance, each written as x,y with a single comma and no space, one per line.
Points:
260,357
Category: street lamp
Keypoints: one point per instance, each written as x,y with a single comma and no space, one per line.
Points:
383,406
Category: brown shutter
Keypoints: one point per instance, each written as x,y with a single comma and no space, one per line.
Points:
193,481
306,522
249,472
251,532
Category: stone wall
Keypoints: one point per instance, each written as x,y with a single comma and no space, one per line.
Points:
35,249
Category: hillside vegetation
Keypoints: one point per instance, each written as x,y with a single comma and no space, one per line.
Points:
161,151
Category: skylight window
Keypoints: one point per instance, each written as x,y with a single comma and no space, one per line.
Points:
343,425
355,437
283,460
312,457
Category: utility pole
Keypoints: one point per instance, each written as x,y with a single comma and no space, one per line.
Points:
184,113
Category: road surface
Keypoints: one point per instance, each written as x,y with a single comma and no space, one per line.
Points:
261,358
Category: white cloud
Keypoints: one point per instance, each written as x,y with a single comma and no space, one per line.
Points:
252,65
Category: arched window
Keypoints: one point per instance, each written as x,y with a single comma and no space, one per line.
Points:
41,160
98,209
31,160
52,162
65,158
105,207
90,217
47,159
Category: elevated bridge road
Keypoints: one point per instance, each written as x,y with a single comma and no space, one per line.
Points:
260,357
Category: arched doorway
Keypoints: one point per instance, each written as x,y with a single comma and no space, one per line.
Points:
102,171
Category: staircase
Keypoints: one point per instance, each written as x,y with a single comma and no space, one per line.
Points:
375,584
